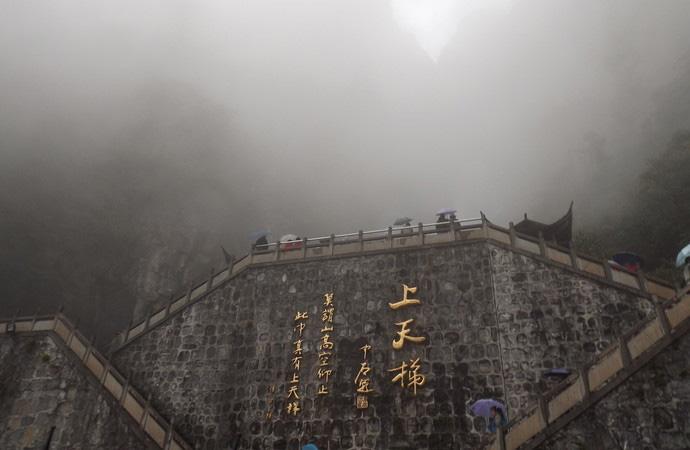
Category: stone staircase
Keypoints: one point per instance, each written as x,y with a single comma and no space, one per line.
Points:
558,407
401,239
65,334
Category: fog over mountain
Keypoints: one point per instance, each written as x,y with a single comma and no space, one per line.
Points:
137,137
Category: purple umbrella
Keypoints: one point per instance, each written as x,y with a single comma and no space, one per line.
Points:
446,211
483,406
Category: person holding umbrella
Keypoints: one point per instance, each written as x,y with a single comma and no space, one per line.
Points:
443,223
493,411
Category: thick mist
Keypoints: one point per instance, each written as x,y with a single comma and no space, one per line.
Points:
137,137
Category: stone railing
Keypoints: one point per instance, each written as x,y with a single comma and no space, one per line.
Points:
591,383
392,238
137,407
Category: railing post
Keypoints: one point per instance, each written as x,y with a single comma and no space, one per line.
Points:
625,351
304,248
331,244
251,254
189,294
584,379
485,225
573,257
661,314
390,237
209,283
145,415
542,245
641,281
169,435
420,232
125,387
452,236
172,298
89,346
607,269
501,437
361,240
72,331
230,265
511,232
277,251
543,410
33,319
125,335
149,313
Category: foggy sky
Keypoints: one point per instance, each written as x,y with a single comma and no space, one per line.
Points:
319,117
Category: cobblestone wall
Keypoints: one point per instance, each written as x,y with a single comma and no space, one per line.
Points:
41,389
651,410
223,364
214,366
549,317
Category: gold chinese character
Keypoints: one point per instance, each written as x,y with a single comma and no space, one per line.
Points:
365,348
362,402
364,370
410,372
326,344
326,329
324,359
327,315
301,316
293,408
406,301
323,390
298,348
363,387
403,335
295,378
328,299
299,328
325,373
292,392
269,415
296,362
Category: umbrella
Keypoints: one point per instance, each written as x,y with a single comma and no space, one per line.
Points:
483,406
403,220
289,237
626,259
254,235
682,256
558,372
446,211
310,447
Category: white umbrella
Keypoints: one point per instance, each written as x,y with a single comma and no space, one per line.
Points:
289,237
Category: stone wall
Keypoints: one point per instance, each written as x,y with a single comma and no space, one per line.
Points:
550,317
223,364
214,366
42,389
651,410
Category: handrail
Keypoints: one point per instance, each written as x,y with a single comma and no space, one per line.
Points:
151,423
634,349
420,235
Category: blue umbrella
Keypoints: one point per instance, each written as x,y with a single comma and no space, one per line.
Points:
310,447
558,372
682,256
446,211
402,220
483,407
254,235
